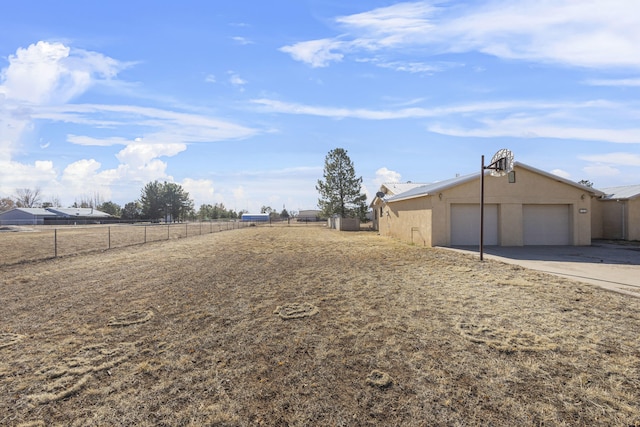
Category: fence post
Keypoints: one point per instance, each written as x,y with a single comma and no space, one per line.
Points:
109,237
145,234
186,229
55,243
168,225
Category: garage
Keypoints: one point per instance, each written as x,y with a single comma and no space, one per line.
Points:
530,207
465,224
546,224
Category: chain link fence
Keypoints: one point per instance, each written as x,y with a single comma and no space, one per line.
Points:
30,243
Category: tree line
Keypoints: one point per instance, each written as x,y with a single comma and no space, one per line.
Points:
159,201
340,194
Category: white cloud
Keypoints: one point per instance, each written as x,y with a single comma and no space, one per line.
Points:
236,80
239,193
317,53
561,173
520,119
596,33
386,175
141,155
155,124
100,142
618,158
41,174
40,76
399,24
46,73
200,190
241,40
369,114
36,88
81,171
509,128
414,67
614,82
210,78
601,170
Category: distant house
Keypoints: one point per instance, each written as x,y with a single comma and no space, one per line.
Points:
249,217
309,215
53,216
25,216
532,208
616,215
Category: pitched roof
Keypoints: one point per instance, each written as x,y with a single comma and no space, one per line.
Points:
83,212
400,187
623,192
430,189
33,211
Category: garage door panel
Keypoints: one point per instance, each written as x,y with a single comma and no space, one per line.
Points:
546,224
465,224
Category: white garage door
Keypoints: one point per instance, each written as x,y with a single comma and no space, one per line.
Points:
465,224
546,224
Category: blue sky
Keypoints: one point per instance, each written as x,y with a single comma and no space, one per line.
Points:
239,102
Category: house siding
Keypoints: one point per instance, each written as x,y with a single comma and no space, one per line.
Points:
429,216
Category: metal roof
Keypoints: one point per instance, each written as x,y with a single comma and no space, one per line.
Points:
62,212
430,189
401,187
33,211
83,212
623,192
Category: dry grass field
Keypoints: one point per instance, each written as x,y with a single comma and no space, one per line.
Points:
301,326
31,243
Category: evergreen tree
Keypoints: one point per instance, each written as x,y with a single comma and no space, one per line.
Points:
131,211
111,208
166,200
340,189
152,204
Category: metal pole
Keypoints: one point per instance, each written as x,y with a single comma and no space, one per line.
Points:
109,237
145,234
55,243
482,209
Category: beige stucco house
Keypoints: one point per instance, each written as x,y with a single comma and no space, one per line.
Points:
538,208
616,215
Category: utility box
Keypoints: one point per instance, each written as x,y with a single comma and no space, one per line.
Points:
344,224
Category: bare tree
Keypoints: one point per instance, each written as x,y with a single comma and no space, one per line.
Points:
53,201
28,197
89,201
6,204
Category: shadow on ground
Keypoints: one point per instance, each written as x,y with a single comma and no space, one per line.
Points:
605,252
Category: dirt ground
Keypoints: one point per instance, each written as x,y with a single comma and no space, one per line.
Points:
299,326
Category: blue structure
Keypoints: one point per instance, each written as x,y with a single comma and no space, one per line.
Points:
246,217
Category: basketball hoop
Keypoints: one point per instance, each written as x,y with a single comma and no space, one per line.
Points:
501,163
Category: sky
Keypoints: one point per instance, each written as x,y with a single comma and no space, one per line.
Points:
239,102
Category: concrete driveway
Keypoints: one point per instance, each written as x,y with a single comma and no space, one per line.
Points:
609,265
